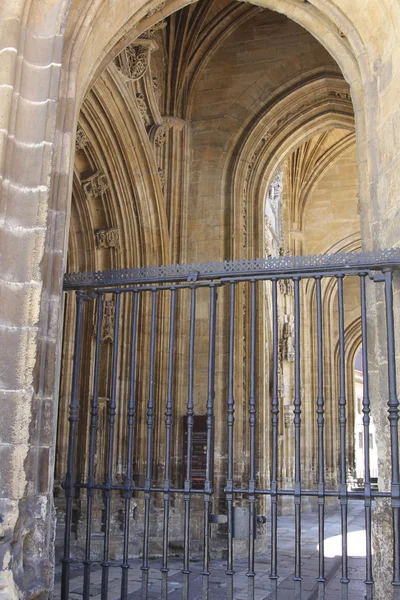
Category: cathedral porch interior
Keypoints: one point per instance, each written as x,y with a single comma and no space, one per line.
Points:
210,400
200,299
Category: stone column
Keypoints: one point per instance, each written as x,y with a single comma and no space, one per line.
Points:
30,55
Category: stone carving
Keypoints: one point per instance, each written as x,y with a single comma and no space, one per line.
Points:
81,140
276,188
286,287
142,106
150,33
107,334
156,9
244,220
160,136
281,383
174,122
162,177
288,339
96,186
107,238
155,84
136,62
273,203
340,95
288,416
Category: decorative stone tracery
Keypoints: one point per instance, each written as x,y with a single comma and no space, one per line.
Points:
135,61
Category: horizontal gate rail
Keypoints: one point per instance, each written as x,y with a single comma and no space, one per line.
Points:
282,266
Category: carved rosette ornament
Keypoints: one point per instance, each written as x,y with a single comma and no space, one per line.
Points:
81,140
107,238
96,186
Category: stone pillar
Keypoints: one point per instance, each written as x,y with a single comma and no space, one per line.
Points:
30,54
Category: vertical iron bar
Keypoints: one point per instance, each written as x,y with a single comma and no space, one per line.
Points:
210,442
321,445
253,422
231,420
297,441
149,448
190,420
342,422
73,423
393,410
369,582
92,448
275,436
129,456
168,425
111,420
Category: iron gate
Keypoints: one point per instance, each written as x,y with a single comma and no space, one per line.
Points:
205,436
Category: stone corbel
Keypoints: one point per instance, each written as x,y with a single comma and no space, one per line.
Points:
174,123
158,133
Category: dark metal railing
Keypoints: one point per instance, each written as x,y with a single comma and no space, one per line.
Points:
160,312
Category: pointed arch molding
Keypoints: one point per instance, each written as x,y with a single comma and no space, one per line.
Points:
292,117
120,148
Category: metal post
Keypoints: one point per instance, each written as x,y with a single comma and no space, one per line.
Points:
73,424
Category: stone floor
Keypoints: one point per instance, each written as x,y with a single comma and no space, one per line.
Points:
219,587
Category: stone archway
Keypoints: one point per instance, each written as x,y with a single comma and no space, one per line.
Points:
37,201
